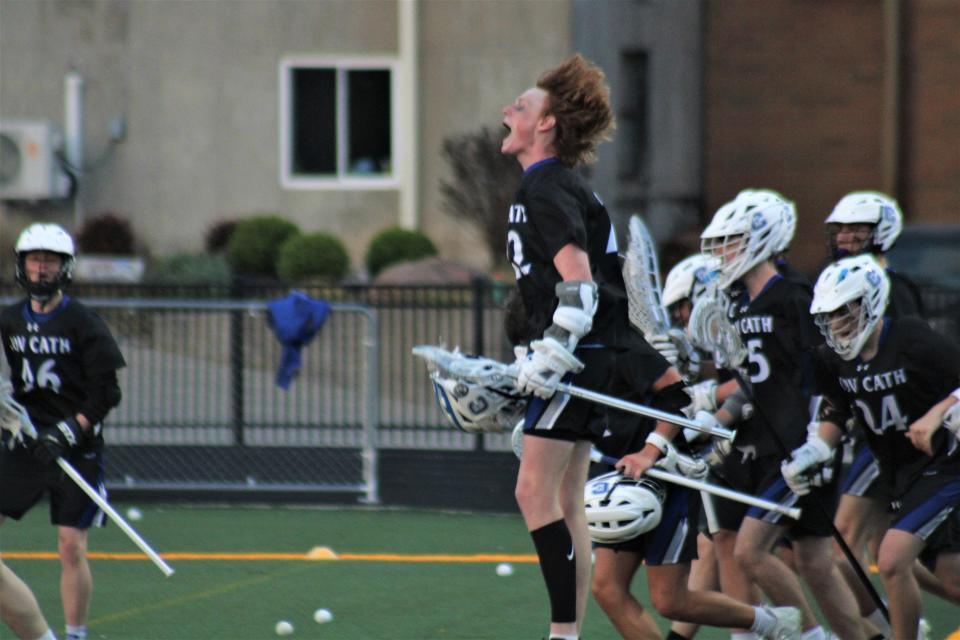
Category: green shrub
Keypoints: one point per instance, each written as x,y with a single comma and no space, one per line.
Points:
218,235
397,245
312,255
255,243
189,268
106,233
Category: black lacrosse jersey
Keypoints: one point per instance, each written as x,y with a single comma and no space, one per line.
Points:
905,297
555,207
780,336
54,357
915,368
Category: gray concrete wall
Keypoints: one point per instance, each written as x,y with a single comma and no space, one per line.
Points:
198,85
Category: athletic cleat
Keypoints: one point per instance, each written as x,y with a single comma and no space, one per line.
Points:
787,626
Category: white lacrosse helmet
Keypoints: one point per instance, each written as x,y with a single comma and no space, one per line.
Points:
868,207
849,300
478,400
744,232
788,228
689,279
621,508
45,237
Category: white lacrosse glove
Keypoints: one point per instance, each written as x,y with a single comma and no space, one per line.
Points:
664,344
703,397
706,419
951,419
718,452
804,458
541,372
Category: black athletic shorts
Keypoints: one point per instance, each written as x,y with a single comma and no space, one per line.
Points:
24,480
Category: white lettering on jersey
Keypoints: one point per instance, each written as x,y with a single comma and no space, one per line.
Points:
518,213
755,324
48,344
18,344
515,255
874,382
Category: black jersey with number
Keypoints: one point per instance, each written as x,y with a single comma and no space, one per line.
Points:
914,369
58,360
554,207
779,334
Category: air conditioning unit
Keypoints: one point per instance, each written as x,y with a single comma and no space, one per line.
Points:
29,167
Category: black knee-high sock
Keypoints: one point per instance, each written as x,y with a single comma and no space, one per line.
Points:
559,567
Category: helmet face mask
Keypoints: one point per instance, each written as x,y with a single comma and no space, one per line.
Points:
861,210
849,300
44,239
745,232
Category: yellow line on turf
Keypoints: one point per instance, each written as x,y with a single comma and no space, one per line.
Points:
954,636
319,553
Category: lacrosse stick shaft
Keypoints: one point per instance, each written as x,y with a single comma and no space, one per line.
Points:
116,517
639,409
721,492
710,511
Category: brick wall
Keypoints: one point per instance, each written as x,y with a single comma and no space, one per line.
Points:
794,101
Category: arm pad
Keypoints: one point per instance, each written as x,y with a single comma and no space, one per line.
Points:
573,318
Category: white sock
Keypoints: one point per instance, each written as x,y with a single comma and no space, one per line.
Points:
78,632
876,619
815,633
48,636
749,635
763,621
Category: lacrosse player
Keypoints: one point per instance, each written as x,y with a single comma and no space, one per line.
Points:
770,316
887,371
19,609
63,362
868,223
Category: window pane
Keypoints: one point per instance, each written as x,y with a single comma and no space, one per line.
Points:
314,123
632,132
368,134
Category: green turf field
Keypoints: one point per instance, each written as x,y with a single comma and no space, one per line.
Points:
402,574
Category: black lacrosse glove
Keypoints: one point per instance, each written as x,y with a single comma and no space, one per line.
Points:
56,441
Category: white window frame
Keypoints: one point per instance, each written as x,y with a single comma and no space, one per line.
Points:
342,179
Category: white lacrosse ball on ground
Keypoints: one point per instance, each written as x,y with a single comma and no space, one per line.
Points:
322,615
134,514
283,628
504,569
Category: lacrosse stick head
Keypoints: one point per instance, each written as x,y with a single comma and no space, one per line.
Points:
641,279
13,416
474,394
710,329
621,508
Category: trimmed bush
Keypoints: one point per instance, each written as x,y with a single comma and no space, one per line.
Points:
397,245
255,244
106,233
218,235
190,268
312,255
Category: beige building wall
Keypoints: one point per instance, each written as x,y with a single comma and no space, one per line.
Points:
477,56
198,82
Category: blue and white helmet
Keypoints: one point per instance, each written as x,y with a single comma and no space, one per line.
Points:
689,279
621,508
479,400
745,232
849,300
868,207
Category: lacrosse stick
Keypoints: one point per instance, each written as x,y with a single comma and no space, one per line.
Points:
641,279
705,488
721,492
17,420
455,364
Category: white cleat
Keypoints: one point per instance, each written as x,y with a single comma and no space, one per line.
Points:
787,626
